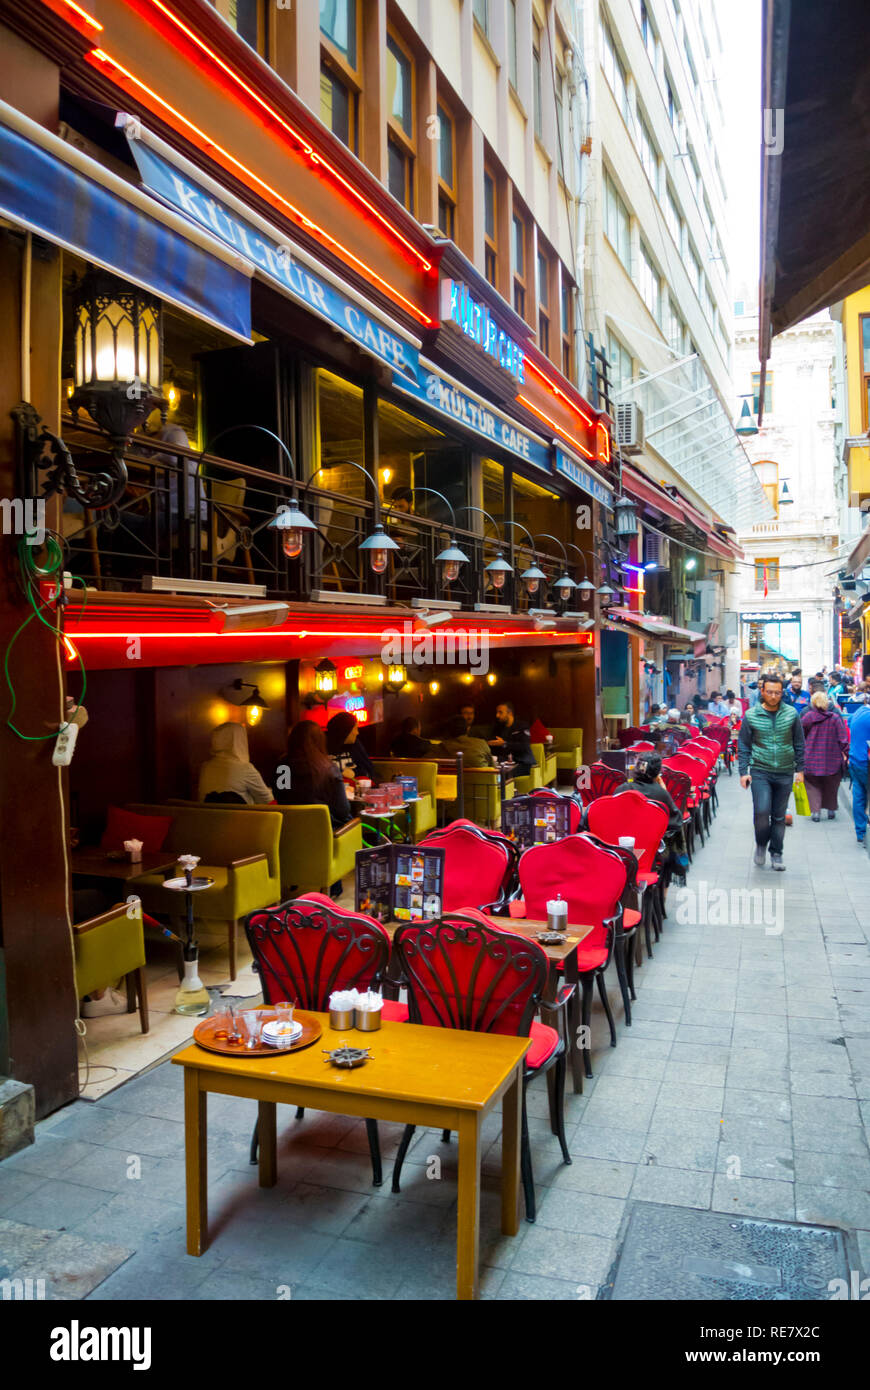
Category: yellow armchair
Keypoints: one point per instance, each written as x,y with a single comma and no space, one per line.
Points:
546,760
239,851
568,746
111,947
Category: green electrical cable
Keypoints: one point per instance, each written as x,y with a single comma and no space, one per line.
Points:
31,572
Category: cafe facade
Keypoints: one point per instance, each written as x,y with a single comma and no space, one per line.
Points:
248,325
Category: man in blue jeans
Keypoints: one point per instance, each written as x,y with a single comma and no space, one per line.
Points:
770,754
859,752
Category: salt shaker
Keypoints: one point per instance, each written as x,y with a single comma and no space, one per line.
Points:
557,914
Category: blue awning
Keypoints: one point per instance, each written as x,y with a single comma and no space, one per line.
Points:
42,193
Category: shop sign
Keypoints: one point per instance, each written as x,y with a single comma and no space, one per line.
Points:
769,615
490,426
589,483
478,324
274,259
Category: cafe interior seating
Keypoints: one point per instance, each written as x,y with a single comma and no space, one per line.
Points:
110,947
567,745
240,852
423,811
467,971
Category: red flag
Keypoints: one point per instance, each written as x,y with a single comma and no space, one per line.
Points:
765,581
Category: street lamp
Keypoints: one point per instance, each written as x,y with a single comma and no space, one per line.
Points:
585,587
378,545
625,514
451,557
497,569
531,577
565,584
746,425
254,705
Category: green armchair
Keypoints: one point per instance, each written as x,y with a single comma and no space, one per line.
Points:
568,746
546,760
423,812
239,851
111,947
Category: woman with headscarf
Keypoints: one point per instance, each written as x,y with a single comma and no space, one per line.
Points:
230,770
827,746
343,745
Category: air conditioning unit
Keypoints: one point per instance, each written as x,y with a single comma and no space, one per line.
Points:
656,550
629,427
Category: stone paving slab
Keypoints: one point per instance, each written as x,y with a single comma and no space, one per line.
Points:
742,1090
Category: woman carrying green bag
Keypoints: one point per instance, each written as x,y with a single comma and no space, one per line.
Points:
827,746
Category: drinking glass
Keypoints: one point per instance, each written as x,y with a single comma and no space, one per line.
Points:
252,1023
284,1016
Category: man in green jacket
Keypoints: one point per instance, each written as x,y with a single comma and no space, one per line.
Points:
770,754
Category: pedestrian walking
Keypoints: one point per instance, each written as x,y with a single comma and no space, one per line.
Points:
827,745
859,754
770,752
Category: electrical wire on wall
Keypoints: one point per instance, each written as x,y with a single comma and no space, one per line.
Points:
30,575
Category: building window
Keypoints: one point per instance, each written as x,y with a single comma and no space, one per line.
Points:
567,331
446,174
650,284
649,156
543,304
676,330
673,112
697,274
614,71
864,330
400,122
481,14
512,42
338,22
518,250
536,79
616,222
768,392
248,19
619,359
340,83
673,219
489,227
771,565
648,33
767,473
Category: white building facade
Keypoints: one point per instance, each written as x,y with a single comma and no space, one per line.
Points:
794,455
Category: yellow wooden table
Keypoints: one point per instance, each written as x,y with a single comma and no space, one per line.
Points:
441,1078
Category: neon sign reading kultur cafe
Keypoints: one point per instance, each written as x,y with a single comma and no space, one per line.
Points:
476,323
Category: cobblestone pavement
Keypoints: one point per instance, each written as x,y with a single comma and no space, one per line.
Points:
743,1086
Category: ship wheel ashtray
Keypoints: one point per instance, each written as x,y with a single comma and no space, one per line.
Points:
346,1056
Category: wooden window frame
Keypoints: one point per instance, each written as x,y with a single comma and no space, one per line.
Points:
772,563
350,77
519,278
447,192
567,323
262,44
543,264
490,255
396,132
537,80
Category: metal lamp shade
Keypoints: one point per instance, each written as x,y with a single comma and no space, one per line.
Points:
118,353
378,545
292,523
498,570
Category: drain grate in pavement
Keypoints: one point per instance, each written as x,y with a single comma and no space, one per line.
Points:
673,1253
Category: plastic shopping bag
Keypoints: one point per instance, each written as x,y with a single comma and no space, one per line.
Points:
801,800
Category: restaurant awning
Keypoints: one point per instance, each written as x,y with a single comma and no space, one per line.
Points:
50,188
860,555
648,625
815,160
678,510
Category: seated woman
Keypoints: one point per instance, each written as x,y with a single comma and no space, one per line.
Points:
229,769
314,778
475,751
342,744
648,781
408,743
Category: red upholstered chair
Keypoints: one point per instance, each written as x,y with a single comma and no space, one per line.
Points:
631,919
628,736
468,972
599,780
575,815
592,882
696,769
308,947
708,749
643,746
720,733
632,813
680,787
479,865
